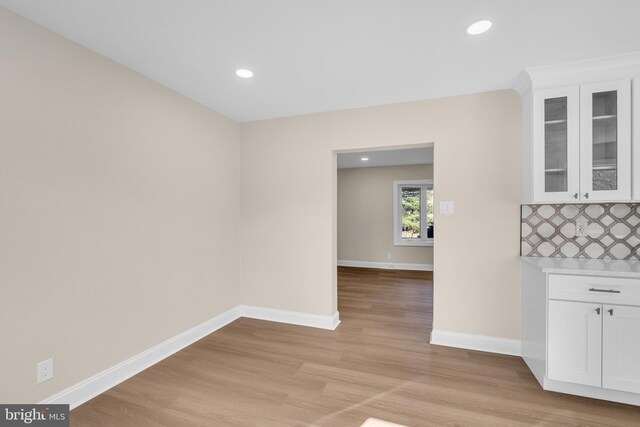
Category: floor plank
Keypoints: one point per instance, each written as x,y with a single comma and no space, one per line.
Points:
378,363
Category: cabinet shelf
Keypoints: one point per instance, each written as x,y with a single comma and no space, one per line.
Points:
605,167
555,122
555,170
605,117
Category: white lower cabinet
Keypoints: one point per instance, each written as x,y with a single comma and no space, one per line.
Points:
594,344
575,347
581,333
621,348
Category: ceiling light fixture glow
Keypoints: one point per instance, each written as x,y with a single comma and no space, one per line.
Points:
245,74
478,27
364,159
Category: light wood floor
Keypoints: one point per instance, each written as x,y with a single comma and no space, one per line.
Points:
378,363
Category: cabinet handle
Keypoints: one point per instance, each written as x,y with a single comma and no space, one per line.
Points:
575,195
610,311
598,310
610,291
586,195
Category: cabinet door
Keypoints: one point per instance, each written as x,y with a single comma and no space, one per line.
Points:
621,348
556,150
605,141
575,331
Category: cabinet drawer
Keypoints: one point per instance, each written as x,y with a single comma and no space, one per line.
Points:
608,290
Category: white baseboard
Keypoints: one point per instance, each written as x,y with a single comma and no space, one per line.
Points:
476,342
386,265
91,387
593,392
292,317
86,390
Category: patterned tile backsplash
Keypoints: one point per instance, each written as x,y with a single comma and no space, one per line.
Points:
550,231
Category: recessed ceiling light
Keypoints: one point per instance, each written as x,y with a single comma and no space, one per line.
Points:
478,27
245,74
364,159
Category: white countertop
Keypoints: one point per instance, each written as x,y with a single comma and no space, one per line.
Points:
590,267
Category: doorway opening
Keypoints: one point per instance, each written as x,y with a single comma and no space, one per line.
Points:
384,234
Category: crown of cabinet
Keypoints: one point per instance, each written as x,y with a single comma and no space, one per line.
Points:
580,141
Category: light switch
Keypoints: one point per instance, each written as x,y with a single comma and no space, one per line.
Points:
446,207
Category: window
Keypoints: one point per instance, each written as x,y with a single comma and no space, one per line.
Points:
413,213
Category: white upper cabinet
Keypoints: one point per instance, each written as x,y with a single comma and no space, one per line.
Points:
605,141
577,132
582,143
556,148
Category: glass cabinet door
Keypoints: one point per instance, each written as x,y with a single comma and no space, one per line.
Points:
605,141
555,145
556,150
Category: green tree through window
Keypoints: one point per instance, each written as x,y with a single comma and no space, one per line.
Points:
414,212
411,212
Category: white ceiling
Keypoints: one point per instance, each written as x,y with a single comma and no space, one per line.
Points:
409,156
323,55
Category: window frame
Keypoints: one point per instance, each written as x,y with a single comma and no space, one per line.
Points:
424,184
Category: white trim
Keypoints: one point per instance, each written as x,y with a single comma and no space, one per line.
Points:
91,387
427,241
593,392
476,342
635,142
85,390
522,84
386,265
291,317
589,71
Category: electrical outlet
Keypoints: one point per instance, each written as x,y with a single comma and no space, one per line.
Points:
582,227
388,255
45,370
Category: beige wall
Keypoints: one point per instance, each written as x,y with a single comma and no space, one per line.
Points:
121,224
289,181
365,215
119,212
